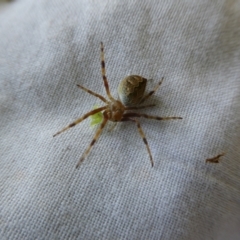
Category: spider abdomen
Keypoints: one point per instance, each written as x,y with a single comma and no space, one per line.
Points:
131,89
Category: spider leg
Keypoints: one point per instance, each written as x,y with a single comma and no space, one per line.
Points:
139,107
113,126
95,138
142,135
104,73
133,114
81,119
151,92
93,93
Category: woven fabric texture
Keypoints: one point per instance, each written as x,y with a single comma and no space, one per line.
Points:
47,47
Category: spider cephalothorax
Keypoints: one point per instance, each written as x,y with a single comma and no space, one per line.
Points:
131,93
114,112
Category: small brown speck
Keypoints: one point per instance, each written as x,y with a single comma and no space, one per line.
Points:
215,159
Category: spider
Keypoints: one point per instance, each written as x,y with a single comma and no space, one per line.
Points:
131,92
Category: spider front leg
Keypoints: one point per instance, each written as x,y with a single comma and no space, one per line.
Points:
142,135
95,138
104,73
81,119
93,93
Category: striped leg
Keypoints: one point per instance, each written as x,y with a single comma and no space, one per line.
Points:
104,73
142,135
139,107
132,114
152,92
97,134
93,93
80,119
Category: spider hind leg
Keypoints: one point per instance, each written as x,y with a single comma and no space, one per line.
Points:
142,135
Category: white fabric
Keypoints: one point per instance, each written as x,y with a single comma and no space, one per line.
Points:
47,47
